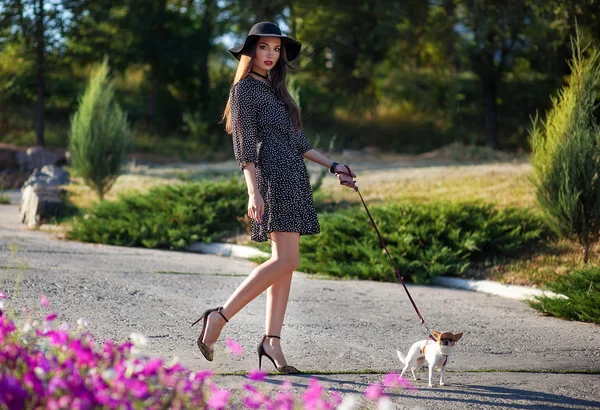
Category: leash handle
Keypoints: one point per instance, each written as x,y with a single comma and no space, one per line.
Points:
349,173
400,278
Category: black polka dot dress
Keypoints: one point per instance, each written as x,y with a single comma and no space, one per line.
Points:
263,133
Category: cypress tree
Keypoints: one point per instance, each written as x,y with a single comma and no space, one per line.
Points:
566,155
98,137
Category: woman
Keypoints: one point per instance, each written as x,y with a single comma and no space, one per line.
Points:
269,146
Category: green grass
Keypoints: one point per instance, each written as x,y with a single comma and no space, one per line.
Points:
582,287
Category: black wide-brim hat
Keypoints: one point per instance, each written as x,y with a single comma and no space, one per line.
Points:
266,29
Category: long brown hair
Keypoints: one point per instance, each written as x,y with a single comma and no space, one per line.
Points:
278,81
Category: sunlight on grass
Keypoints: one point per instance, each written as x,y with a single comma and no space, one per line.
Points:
503,185
82,196
558,258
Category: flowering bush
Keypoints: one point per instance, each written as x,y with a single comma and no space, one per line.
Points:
42,366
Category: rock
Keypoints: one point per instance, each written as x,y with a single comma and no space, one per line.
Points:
39,203
40,198
49,174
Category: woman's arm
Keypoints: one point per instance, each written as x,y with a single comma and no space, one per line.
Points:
321,159
256,204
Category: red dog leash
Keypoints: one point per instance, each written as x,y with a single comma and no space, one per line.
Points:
400,278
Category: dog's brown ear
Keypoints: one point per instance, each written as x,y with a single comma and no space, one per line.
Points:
457,336
436,334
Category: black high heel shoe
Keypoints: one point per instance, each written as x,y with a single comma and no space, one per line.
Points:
281,369
206,352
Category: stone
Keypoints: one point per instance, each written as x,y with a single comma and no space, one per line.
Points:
49,174
40,195
39,203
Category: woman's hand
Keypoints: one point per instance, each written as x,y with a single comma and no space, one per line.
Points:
346,180
256,207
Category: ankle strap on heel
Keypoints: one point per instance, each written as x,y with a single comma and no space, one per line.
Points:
273,336
222,315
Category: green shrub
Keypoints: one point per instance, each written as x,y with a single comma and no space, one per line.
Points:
566,156
98,138
168,216
582,287
425,240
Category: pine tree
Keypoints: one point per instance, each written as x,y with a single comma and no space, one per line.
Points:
566,155
98,138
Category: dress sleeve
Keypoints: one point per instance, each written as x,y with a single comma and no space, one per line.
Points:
243,123
302,143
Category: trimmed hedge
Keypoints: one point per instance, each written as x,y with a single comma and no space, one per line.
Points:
168,216
582,287
425,240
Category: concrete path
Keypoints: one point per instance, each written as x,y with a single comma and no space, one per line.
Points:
344,333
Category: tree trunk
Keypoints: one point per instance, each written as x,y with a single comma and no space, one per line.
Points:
490,85
155,63
40,72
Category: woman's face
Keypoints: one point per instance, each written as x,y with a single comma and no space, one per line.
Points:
266,54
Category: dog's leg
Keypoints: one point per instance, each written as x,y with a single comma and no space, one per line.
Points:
442,374
431,366
404,370
413,373
418,364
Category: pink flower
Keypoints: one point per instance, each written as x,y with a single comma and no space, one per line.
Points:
234,346
405,384
393,380
152,367
284,401
250,388
2,295
202,376
44,301
218,399
314,391
257,375
51,317
374,391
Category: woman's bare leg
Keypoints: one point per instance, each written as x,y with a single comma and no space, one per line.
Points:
261,278
285,245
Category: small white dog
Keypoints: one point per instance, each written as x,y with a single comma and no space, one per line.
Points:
435,351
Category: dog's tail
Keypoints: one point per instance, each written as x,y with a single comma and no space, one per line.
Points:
401,357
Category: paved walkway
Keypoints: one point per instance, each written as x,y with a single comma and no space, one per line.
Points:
509,357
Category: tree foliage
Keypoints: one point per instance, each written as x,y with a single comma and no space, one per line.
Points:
411,72
98,138
566,154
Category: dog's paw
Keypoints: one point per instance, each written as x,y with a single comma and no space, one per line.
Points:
442,384
430,385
